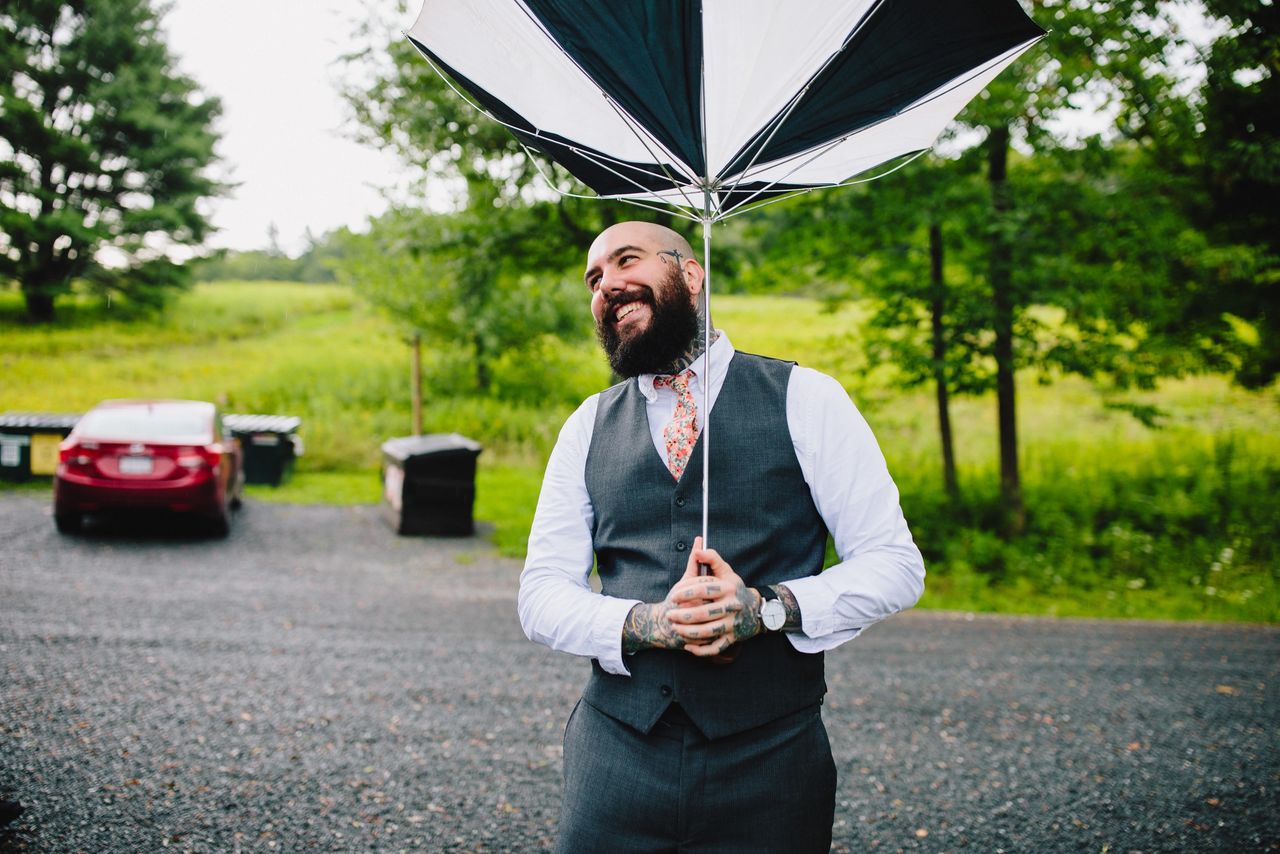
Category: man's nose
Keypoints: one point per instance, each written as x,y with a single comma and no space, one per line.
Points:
611,281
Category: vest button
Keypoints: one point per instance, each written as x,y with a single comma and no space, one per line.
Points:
679,500
666,690
680,547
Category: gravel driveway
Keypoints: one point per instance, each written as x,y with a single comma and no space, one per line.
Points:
316,683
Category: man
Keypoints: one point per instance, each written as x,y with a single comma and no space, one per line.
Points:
700,726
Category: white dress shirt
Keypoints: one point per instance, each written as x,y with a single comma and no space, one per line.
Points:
879,574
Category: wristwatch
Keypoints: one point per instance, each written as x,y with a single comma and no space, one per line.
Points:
772,612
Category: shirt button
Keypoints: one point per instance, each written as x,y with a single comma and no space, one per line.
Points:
679,500
680,547
666,690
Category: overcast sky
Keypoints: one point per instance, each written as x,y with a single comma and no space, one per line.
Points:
272,62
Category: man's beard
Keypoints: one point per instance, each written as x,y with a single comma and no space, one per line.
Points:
673,326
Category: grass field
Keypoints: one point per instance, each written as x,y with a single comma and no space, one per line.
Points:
1124,521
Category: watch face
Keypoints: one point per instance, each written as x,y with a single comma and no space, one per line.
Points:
774,615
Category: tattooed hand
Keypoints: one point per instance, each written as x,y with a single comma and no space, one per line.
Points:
699,612
647,627
713,612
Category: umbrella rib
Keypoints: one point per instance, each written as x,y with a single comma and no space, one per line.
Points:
815,153
637,129
924,100
665,208
660,207
599,159
539,134
746,207
779,120
587,155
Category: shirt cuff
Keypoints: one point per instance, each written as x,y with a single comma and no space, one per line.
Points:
803,643
606,634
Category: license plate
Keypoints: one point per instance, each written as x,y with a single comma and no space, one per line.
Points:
136,465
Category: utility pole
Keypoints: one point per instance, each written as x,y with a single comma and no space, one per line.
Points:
417,383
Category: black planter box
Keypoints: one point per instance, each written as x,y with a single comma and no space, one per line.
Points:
429,484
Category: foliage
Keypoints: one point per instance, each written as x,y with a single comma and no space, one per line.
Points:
1236,159
485,285
1177,527
252,265
1076,224
106,149
871,242
317,263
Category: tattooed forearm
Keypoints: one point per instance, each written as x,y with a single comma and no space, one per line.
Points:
746,623
647,627
788,599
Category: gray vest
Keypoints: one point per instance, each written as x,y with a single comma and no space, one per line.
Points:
762,521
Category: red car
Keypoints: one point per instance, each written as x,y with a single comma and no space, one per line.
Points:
148,455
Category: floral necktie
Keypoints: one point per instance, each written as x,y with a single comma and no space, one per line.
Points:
682,431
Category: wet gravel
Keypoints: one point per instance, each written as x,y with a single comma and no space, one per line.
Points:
315,683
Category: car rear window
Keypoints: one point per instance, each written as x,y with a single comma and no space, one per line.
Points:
161,422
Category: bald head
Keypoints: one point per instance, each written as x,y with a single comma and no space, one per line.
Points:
645,235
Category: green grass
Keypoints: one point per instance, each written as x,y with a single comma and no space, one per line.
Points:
321,487
1177,522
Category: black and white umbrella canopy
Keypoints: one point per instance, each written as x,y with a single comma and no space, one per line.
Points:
709,105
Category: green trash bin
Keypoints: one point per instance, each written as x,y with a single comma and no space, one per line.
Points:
271,444
29,443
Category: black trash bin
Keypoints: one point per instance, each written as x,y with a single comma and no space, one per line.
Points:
29,443
429,484
271,443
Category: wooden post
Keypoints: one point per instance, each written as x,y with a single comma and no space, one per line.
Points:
417,383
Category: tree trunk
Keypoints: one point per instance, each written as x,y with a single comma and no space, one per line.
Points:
937,311
1001,276
39,306
482,363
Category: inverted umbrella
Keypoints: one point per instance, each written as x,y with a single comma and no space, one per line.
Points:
713,107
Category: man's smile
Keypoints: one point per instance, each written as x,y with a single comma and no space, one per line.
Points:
630,313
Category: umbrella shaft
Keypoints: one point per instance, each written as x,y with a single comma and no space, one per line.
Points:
706,382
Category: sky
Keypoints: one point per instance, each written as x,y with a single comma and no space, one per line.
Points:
274,65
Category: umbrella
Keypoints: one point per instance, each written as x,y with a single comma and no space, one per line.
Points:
710,108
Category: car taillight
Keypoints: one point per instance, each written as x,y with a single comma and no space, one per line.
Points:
79,455
206,457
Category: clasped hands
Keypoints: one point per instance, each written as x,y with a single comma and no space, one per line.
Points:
701,614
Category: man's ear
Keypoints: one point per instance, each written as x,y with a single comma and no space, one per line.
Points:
694,276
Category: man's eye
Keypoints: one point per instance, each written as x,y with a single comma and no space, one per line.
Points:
626,259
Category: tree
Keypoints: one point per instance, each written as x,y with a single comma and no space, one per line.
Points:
105,151
1096,229
906,243
1114,57
486,283
1238,163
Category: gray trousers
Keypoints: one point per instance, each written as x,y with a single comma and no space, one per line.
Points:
769,790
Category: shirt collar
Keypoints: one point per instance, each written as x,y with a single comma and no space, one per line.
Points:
721,352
